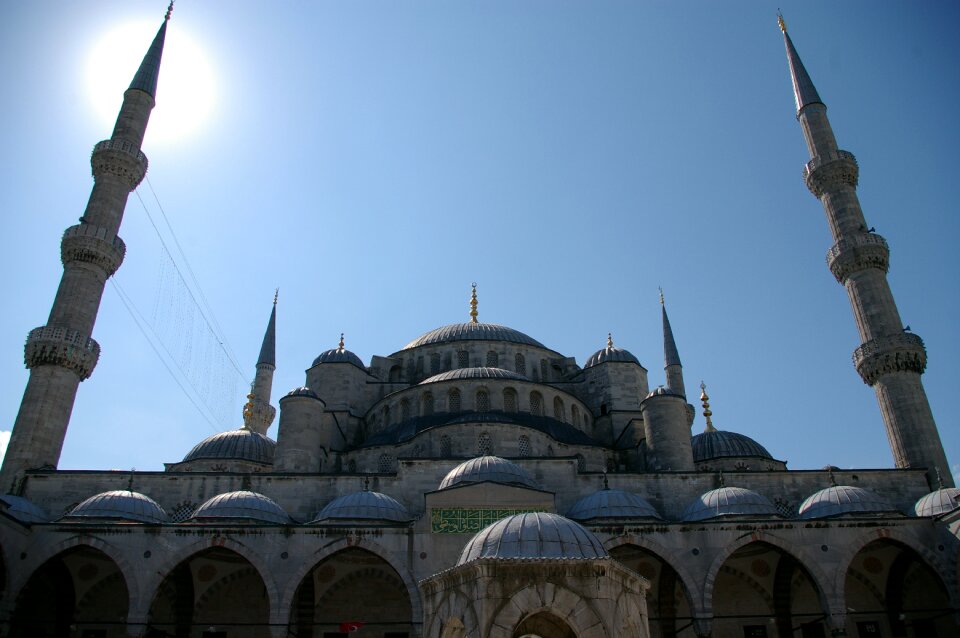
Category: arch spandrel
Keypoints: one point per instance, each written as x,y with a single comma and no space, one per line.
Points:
691,585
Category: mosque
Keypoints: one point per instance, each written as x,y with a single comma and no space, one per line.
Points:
476,483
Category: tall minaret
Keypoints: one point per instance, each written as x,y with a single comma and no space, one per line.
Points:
258,414
62,353
889,358
671,357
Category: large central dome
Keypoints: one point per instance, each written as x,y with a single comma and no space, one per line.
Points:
473,332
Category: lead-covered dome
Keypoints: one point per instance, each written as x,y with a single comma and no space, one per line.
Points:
843,499
935,503
339,355
242,444
473,332
474,373
23,510
241,505
717,444
491,469
608,503
610,354
372,506
533,535
122,505
728,501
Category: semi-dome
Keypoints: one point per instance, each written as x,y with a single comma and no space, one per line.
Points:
717,444
728,501
843,499
121,505
473,332
533,535
243,505
242,444
372,506
339,355
475,373
610,354
487,468
302,391
939,502
23,510
608,503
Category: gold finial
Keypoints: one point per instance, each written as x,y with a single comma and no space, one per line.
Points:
780,22
340,347
248,406
169,10
276,295
706,408
609,339
473,303
661,295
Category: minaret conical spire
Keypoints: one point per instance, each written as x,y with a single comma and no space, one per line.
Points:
146,77
268,350
889,359
258,414
671,356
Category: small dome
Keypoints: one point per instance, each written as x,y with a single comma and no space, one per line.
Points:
475,373
302,391
123,505
935,503
661,390
244,505
612,504
610,353
473,332
533,535
23,510
339,355
487,468
728,501
242,445
843,499
719,444
372,506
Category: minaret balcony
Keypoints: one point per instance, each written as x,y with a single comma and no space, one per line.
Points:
92,244
829,171
857,253
903,352
120,158
56,346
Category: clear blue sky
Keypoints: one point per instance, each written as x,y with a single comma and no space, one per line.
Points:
373,158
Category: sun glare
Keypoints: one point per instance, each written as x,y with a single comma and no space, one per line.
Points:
186,90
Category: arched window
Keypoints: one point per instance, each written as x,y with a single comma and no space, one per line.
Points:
435,363
559,411
536,404
404,409
575,415
386,415
483,444
520,364
483,401
426,404
463,359
419,368
444,445
453,401
352,465
581,463
509,400
446,361
524,445
493,359
543,369
385,463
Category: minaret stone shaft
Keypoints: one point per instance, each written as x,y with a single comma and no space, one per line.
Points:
258,414
63,353
889,359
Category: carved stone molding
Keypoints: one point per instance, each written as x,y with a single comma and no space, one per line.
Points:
893,353
120,158
61,347
828,172
857,253
92,244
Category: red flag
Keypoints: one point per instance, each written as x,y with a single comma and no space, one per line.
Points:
350,627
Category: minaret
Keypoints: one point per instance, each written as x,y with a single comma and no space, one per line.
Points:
889,358
671,357
62,353
258,414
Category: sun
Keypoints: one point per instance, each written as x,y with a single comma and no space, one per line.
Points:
186,89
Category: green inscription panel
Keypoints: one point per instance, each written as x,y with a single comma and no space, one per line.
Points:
464,520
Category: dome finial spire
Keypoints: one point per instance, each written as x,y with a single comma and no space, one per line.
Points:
340,346
169,10
609,339
706,408
473,303
780,22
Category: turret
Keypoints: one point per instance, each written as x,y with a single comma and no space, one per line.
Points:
303,444
62,353
258,414
890,359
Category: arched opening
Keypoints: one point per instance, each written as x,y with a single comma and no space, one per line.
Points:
536,404
453,401
543,624
79,592
214,592
509,400
352,586
426,404
762,590
892,591
667,601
